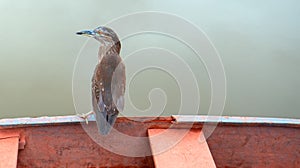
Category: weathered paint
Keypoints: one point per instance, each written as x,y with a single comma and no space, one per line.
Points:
64,143
27,121
19,122
236,120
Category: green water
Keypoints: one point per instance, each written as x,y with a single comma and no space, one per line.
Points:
258,42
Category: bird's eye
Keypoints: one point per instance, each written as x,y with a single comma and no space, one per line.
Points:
102,33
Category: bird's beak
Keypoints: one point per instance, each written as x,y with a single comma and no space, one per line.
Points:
106,122
88,33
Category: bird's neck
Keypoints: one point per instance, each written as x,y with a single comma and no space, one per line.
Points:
108,49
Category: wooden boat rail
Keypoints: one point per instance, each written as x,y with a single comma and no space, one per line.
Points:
60,141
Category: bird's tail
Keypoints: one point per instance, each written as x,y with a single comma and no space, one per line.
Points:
105,121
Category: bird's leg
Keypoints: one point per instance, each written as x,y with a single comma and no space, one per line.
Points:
85,116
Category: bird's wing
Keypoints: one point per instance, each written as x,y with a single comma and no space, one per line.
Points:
108,88
97,100
118,86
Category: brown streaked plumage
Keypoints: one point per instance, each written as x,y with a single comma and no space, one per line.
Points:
108,82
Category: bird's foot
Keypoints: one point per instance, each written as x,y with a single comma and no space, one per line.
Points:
85,116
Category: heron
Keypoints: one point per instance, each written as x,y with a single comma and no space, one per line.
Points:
108,81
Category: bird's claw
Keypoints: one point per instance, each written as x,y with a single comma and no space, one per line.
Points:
85,116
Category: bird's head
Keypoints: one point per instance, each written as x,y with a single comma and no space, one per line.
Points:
103,34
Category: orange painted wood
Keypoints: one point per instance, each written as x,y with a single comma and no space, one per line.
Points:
182,148
9,151
232,145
